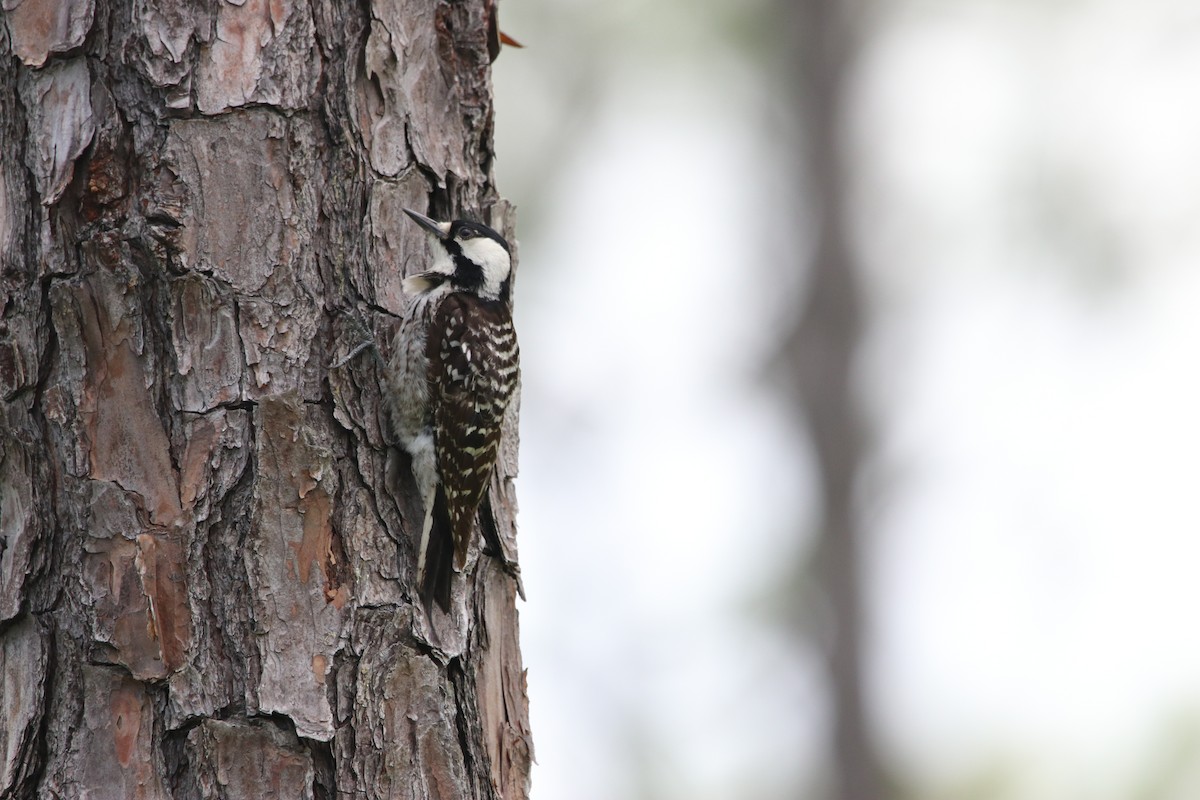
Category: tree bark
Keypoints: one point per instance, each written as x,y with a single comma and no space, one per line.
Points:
206,539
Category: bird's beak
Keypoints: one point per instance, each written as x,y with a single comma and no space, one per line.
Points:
438,229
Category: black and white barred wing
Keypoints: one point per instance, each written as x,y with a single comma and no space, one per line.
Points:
473,357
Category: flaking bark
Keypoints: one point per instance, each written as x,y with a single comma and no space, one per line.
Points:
206,542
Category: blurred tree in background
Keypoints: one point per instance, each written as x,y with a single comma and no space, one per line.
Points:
962,234
820,367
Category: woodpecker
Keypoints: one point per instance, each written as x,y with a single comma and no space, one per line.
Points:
451,374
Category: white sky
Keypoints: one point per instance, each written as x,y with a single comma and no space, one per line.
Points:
1028,206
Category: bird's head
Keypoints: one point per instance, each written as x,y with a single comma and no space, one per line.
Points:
468,255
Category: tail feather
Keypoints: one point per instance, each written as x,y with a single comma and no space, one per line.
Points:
439,557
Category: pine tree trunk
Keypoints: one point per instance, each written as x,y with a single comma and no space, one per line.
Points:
206,552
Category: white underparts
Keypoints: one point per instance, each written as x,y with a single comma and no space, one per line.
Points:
425,470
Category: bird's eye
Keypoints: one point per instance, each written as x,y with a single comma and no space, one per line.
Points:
466,233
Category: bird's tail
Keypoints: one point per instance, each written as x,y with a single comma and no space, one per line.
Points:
439,557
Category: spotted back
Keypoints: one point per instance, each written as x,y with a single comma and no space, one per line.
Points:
473,363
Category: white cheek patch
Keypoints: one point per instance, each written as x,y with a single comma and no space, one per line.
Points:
494,259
